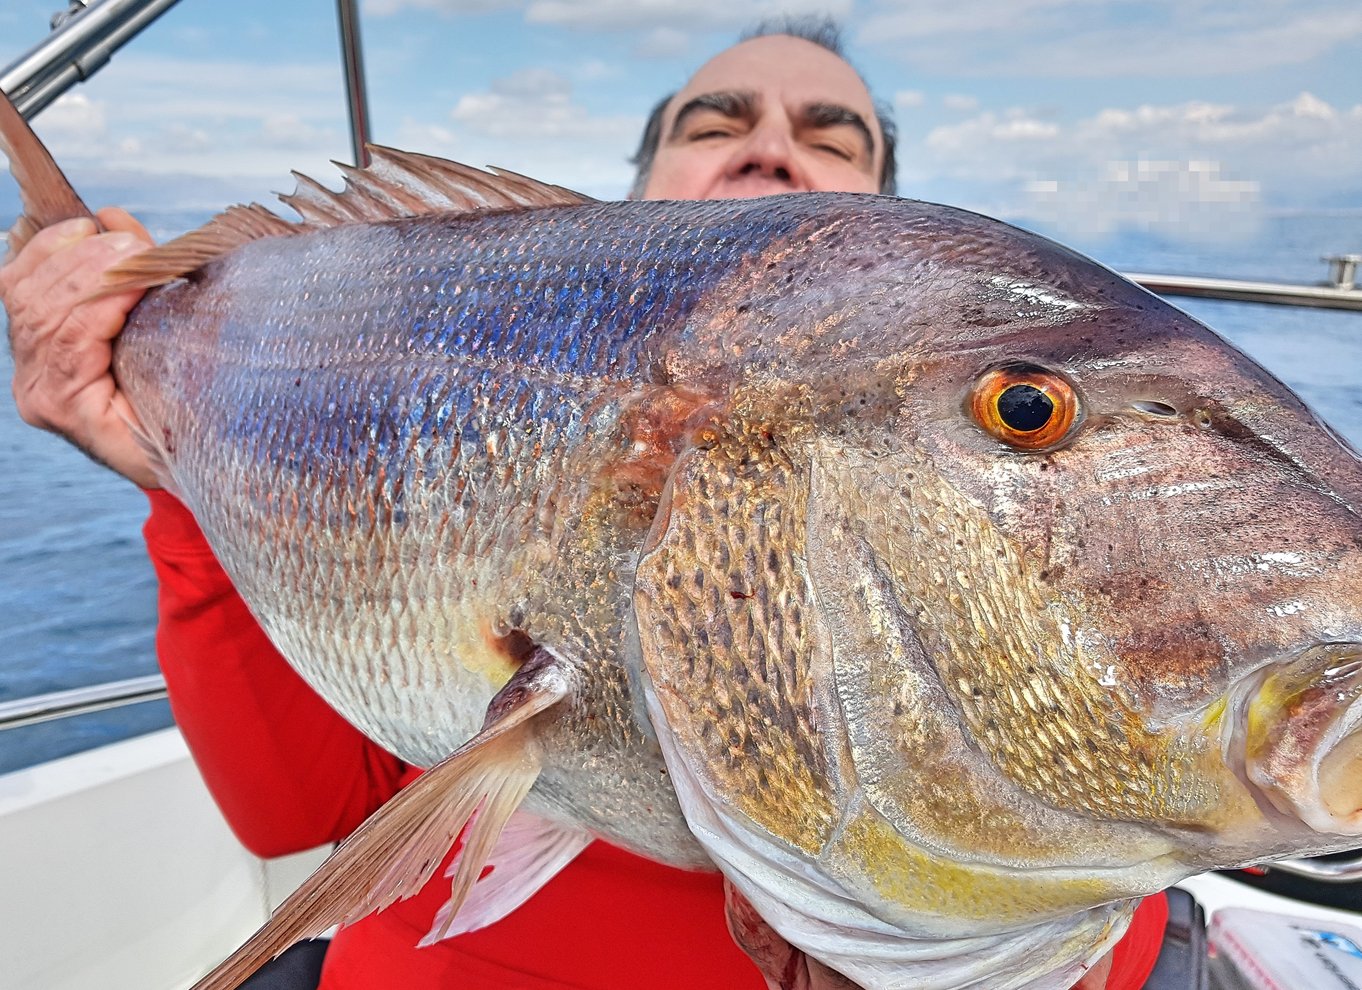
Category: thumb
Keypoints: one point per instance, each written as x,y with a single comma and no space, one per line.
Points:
115,218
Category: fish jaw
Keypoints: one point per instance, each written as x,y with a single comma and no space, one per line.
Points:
1295,737
809,908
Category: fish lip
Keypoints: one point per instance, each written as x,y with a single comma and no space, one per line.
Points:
1296,736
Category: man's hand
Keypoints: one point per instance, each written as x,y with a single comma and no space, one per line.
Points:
62,339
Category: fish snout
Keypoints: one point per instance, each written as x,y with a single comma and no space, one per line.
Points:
1298,730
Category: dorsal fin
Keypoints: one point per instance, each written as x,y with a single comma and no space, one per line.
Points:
233,227
396,184
404,184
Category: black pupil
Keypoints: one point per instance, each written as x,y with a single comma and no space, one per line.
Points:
1025,408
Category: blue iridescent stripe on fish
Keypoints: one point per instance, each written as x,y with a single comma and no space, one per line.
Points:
589,293
403,330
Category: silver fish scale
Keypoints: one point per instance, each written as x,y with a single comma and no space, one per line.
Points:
397,438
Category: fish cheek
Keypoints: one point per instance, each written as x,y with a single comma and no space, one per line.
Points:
730,640
1024,664
936,760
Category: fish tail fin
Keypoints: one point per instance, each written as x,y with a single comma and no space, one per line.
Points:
394,853
46,194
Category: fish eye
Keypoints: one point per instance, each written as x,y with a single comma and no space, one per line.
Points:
1024,406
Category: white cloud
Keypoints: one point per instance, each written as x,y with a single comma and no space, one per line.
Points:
685,15
289,130
530,122
595,169
597,69
1151,161
909,99
535,104
238,120
72,122
178,137
1091,38
960,102
1301,137
385,8
1192,198
662,42
646,16
900,20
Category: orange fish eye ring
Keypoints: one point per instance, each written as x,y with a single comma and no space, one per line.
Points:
1024,406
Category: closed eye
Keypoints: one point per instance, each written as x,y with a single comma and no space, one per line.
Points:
837,150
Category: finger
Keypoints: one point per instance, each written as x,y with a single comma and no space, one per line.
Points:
116,218
72,277
45,243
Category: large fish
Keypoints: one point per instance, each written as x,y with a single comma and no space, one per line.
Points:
942,588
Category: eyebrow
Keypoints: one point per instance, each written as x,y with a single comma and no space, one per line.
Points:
836,115
739,104
730,103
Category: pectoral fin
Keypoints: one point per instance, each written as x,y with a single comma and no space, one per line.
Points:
530,852
393,854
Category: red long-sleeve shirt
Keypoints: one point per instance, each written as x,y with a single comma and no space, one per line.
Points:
290,774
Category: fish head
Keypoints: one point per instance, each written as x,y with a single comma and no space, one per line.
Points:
1133,558
1014,592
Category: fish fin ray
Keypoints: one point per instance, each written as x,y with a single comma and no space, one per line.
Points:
47,197
235,226
406,184
529,853
396,851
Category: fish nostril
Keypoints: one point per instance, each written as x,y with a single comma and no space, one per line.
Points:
1155,408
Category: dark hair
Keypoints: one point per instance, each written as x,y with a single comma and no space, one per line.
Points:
821,31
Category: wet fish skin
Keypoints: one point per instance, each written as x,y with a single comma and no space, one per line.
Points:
476,471
1032,656
937,705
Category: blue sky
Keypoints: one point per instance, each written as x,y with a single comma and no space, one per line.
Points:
1113,111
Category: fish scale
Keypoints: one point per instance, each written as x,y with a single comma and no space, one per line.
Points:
705,525
477,381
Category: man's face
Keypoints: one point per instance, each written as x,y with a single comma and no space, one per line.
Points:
775,114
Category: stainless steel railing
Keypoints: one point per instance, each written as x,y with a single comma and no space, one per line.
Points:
1334,296
81,701
83,38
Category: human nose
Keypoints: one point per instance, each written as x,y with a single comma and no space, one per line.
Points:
769,152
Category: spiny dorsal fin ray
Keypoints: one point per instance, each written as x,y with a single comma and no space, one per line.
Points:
394,853
446,185
396,184
46,195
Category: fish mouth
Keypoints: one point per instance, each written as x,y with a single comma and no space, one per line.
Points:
1298,735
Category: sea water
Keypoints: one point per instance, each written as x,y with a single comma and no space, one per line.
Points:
78,598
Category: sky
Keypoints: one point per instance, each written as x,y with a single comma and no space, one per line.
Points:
1106,113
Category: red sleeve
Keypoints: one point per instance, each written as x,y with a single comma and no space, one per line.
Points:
287,771
1133,958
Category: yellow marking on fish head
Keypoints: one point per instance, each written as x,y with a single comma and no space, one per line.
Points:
921,887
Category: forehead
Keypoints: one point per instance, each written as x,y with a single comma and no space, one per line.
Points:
780,69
